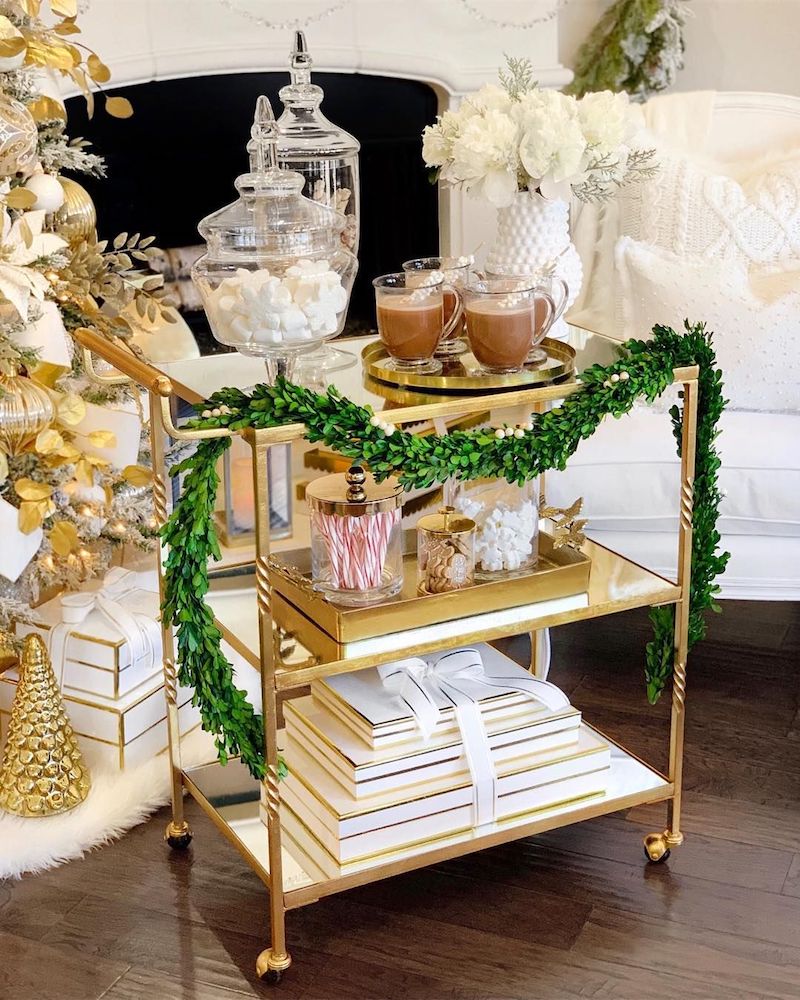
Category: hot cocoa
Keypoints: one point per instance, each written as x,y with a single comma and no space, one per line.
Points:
500,333
410,329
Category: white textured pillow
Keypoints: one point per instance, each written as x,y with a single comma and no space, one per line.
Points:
750,211
755,316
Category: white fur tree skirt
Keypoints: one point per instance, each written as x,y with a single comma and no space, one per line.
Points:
116,802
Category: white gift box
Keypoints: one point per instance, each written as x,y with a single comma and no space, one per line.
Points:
362,771
98,658
129,729
18,548
48,336
381,718
352,830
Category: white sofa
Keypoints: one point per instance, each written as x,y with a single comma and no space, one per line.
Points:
706,268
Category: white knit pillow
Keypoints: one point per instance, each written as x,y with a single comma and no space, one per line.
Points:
755,315
750,211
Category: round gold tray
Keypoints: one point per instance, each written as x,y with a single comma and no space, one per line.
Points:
463,374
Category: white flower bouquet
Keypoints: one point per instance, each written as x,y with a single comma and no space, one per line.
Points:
518,137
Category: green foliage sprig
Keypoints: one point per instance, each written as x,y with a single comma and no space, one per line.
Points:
643,371
636,46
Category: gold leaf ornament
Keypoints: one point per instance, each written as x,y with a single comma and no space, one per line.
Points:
103,439
32,514
48,441
71,409
46,108
64,8
29,489
98,70
137,475
3,467
64,538
119,107
21,198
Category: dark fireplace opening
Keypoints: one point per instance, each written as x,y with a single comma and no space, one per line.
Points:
176,159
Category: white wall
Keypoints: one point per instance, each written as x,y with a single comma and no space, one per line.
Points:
730,44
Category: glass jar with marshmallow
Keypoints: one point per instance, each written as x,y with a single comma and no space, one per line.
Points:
276,278
507,524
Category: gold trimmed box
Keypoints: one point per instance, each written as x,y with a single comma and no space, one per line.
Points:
560,572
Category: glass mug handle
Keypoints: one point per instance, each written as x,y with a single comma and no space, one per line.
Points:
562,302
539,333
454,323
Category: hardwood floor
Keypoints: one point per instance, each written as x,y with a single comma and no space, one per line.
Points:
573,913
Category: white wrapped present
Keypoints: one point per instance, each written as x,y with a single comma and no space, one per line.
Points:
104,639
121,732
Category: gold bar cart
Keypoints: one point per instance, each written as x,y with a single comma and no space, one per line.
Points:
263,630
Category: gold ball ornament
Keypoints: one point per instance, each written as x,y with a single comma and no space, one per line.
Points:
43,772
77,218
25,410
18,136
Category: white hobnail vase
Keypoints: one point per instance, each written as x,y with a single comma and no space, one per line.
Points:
532,232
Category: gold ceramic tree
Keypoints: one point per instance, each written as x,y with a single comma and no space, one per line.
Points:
43,771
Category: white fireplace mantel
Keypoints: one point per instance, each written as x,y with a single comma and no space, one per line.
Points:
436,41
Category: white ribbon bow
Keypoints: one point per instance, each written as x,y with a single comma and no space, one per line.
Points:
418,682
139,631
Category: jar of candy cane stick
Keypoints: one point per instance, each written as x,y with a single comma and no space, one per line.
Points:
356,538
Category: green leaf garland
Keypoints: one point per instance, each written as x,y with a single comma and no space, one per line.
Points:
643,371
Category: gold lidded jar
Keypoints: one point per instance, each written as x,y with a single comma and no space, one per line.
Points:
356,537
445,552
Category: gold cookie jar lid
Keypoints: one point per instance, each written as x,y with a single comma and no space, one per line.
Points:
354,493
446,522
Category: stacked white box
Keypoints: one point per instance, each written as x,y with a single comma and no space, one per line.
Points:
364,782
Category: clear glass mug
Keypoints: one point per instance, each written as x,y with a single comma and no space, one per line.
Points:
456,272
411,321
501,316
558,291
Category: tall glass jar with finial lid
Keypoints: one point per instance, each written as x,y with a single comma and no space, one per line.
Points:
327,157
315,147
276,278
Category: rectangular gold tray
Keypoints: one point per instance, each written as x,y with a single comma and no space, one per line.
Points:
559,573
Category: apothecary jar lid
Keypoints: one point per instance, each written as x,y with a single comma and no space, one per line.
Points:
354,493
271,217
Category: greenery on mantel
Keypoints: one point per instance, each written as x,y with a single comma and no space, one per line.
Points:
636,46
643,371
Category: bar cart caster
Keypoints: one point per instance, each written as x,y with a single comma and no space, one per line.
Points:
658,846
271,967
178,835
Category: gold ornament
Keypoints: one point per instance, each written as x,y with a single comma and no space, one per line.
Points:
43,771
77,217
18,136
25,410
568,526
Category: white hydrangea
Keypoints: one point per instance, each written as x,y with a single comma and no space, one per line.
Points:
607,122
494,144
553,148
484,157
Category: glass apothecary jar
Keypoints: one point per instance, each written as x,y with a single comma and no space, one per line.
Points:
356,537
276,278
445,552
315,147
506,517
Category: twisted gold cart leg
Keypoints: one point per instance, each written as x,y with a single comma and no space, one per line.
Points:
658,845
177,834
272,962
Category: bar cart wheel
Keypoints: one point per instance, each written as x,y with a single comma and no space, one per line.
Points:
655,848
178,835
271,969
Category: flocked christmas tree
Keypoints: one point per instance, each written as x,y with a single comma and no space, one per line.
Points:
66,499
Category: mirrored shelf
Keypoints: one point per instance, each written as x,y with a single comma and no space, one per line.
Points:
616,584
231,797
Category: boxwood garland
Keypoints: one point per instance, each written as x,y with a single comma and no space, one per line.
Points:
643,371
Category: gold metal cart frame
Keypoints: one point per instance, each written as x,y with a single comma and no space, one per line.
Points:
278,676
